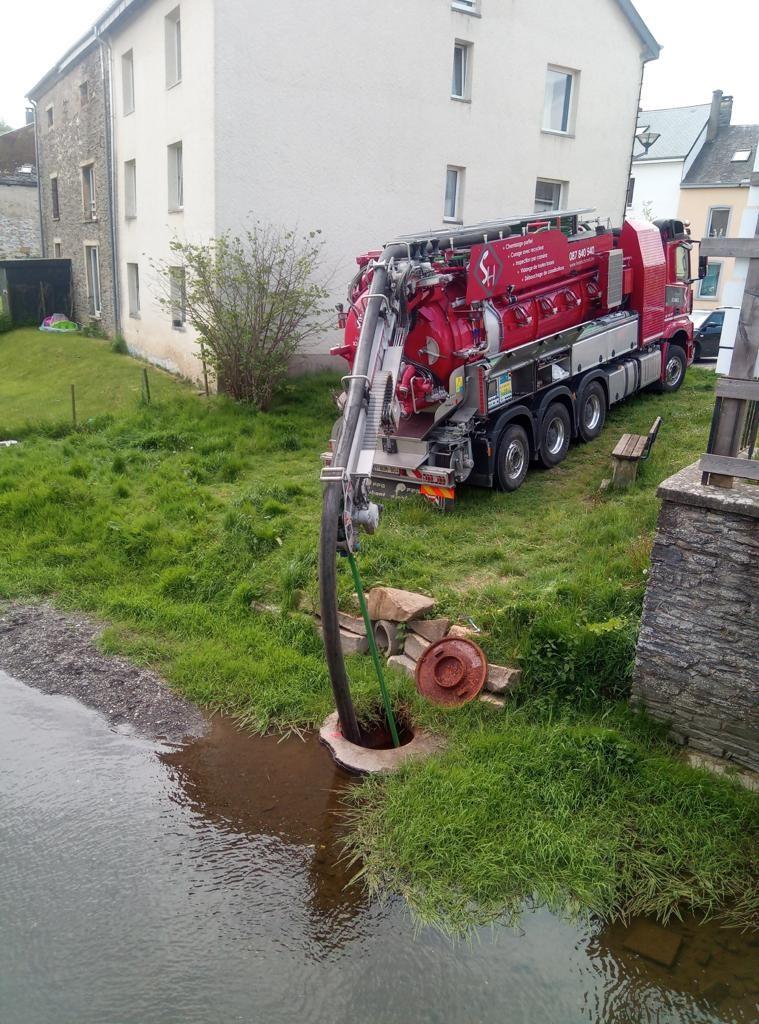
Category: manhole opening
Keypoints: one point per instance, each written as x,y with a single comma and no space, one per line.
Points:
375,732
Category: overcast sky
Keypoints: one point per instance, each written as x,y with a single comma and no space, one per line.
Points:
707,46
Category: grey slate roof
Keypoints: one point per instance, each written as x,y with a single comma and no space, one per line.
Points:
19,179
714,164
678,128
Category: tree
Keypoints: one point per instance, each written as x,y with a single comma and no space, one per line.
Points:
253,299
4,127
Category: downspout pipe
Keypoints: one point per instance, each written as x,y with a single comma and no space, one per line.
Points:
106,69
333,497
39,178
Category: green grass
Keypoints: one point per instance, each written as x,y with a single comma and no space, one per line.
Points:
37,370
168,520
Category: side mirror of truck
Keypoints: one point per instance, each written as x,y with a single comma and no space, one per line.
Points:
703,263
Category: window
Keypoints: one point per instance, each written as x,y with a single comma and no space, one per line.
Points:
461,71
718,222
54,197
454,178
557,106
682,263
133,288
92,264
176,177
709,285
547,195
57,253
177,284
49,112
173,31
127,82
84,93
630,192
88,192
740,156
130,189
466,6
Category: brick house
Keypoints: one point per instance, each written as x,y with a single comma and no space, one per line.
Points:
72,109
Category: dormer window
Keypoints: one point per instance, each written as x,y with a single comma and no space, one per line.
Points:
740,156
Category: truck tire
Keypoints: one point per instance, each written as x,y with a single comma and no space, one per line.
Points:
555,435
675,366
591,412
513,458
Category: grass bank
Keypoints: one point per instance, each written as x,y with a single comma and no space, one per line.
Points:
168,520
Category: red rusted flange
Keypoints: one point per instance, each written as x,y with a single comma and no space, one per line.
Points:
451,671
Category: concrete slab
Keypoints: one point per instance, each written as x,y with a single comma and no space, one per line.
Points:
415,646
430,629
397,605
495,702
404,663
363,761
502,679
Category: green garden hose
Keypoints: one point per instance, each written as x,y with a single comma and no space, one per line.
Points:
373,649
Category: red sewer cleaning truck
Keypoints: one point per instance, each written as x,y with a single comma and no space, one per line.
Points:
475,351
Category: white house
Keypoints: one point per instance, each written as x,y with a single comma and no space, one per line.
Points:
677,135
363,120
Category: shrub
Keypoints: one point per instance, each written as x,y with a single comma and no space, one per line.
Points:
119,345
253,299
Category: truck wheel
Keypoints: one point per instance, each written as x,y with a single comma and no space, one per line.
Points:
513,459
674,369
591,415
555,435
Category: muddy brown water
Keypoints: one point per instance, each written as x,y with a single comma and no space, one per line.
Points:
146,885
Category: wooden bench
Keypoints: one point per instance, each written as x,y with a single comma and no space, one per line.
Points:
631,449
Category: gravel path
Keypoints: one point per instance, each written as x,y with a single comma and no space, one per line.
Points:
56,653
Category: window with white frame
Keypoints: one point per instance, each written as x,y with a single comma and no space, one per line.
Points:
454,182
133,288
718,222
127,82
557,105
462,63
92,267
173,33
176,177
548,195
57,251
130,189
177,296
466,6
709,285
54,198
88,192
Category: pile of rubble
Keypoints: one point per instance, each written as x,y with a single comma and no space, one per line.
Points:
403,634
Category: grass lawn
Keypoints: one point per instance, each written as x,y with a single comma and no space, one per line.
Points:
168,520
37,370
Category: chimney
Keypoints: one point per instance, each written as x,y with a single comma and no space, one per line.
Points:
725,111
712,126
29,113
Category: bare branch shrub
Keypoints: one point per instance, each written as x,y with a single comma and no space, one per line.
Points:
254,300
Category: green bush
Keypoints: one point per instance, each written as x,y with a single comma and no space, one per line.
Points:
119,345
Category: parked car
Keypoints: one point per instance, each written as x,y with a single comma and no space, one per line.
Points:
708,334
697,317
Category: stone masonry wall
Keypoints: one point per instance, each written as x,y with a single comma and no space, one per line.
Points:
77,136
19,220
698,650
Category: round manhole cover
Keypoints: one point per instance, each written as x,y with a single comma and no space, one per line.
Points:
451,671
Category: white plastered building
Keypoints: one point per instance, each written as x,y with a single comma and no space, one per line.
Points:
364,120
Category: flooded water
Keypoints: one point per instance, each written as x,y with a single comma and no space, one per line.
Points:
141,885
